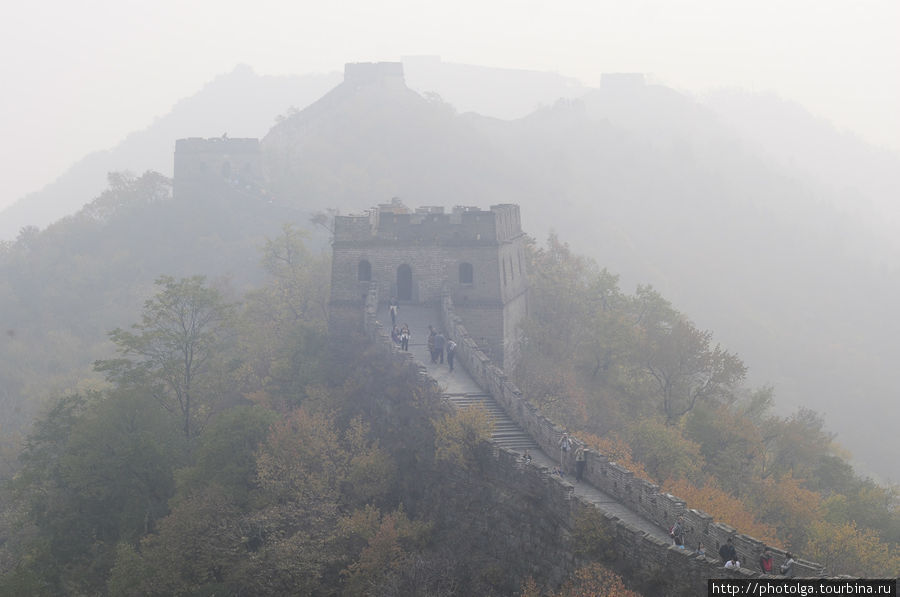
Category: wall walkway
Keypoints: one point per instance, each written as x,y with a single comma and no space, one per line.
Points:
639,514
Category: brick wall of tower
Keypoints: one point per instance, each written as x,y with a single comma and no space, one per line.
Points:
479,255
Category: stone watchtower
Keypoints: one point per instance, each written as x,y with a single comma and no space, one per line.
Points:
411,255
217,165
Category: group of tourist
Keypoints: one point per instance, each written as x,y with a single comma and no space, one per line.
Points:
438,343
565,445
729,555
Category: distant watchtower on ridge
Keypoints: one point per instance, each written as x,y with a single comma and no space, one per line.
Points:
204,166
389,74
411,255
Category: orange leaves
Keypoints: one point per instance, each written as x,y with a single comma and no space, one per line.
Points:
847,549
790,507
595,580
617,450
723,508
459,433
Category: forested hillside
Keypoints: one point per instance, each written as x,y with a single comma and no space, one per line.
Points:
638,380
651,184
271,463
204,435
230,447
63,289
768,225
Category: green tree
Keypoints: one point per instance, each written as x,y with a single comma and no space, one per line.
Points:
226,454
282,325
683,367
96,471
174,349
664,451
196,550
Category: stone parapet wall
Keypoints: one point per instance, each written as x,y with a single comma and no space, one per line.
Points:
640,495
532,514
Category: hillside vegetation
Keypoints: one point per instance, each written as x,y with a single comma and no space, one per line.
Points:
654,186
639,381
272,461
270,458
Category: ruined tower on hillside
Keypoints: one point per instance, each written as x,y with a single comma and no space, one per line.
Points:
215,166
478,255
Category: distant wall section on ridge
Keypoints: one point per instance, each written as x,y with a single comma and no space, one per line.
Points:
220,164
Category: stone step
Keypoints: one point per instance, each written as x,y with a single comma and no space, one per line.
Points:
506,432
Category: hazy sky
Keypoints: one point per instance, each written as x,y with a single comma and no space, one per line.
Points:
79,76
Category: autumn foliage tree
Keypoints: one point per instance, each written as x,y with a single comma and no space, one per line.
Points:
723,507
847,549
595,580
642,384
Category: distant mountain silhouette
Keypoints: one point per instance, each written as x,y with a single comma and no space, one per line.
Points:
863,180
762,234
660,189
240,103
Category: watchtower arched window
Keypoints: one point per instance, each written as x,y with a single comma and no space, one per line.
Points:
364,271
466,273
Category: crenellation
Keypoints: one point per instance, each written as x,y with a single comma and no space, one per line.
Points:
686,571
414,255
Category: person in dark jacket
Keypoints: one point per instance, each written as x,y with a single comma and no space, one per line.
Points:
431,336
727,552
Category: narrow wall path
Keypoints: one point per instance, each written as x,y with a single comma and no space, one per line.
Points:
462,390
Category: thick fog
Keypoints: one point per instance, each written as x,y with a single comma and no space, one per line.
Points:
78,81
748,170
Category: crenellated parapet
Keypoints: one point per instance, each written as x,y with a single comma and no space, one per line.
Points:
639,495
393,223
641,514
478,254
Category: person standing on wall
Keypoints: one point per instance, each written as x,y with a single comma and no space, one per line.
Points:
565,444
766,562
677,532
727,552
787,569
394,309
404,337
580,462
451,353
431,336
439,342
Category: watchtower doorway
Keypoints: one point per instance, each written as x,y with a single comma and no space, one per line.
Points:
404,283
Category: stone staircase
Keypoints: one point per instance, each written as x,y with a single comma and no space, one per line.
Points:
506,433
